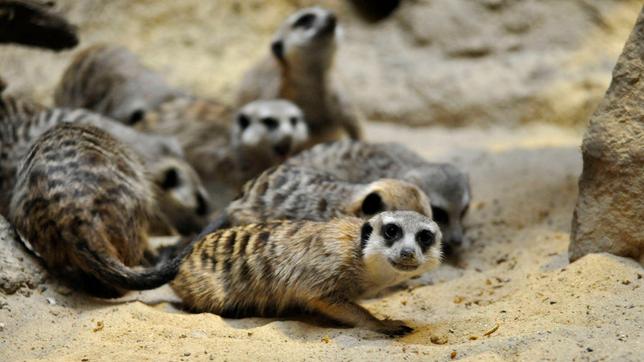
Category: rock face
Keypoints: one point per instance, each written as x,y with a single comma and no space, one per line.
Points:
17,268
609,216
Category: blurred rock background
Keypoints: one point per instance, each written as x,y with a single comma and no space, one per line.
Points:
446,62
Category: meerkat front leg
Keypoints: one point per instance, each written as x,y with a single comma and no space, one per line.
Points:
352,314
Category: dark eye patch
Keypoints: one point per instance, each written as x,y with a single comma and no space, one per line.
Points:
202,205
391,233
305,21
270,123
365,234
243,121
293,121
170,179
425,239
136,117
439,215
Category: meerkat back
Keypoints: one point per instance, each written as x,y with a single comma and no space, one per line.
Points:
111,80
83,202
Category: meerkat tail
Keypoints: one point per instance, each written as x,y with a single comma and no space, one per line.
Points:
112,271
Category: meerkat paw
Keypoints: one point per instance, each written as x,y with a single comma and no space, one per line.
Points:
394,328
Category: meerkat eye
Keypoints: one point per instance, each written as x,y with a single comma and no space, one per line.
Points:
243,121
305,21
439,215
136,117
170,179
391,232
293,121
270,123
425,238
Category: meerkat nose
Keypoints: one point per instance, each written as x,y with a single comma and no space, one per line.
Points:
407,254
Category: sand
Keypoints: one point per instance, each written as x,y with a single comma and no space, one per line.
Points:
512,296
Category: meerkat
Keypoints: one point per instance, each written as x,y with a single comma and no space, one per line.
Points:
321,267
299,69
300,193
447,187
112,81
226,154
179,190
83,202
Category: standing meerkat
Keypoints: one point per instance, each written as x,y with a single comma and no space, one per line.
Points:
178,188
321,267
299,69
112,81
447,187
83,202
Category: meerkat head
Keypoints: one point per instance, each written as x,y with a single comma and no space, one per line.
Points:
306,38
270,128
448,189
389,195
182,198
400,242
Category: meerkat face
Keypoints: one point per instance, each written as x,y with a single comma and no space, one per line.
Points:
448,189
182,198
390,195
273,128
401,242
306,37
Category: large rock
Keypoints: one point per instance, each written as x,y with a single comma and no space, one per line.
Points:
609,216
18,269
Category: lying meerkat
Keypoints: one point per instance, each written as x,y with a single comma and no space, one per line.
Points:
179,190
321,267
300,193
299,69
112,81
448,187
262,134
83,202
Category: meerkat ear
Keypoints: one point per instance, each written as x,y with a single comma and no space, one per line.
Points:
365,234
277,47
372,204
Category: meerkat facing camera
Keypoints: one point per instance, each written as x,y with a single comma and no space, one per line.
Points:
226,153
322,267
299,68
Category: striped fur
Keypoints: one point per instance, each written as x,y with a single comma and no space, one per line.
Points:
84,203
185,205
446,186
324,267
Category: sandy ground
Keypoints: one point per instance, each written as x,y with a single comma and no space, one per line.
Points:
511,296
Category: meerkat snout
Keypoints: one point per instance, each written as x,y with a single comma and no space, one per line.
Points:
401,242
276,128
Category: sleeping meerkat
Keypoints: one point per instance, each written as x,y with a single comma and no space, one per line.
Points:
179,190
83,202
300,193
299,69
448,187
321,267
228,152
112,81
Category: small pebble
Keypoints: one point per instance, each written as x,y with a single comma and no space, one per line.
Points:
51,300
